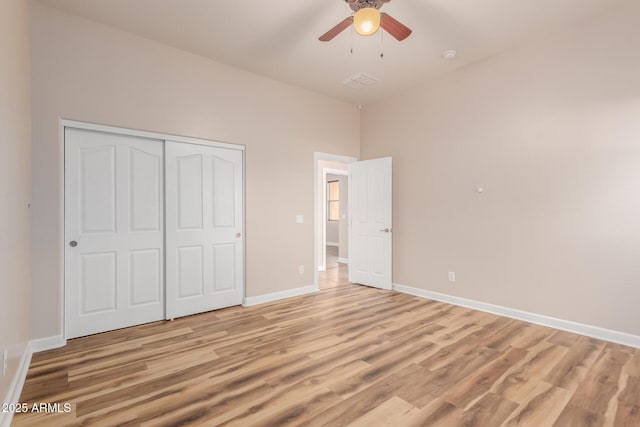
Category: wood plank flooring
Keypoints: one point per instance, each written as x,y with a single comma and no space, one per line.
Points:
348,355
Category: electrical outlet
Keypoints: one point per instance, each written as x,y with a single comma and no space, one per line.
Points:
452,276
301,269
5,356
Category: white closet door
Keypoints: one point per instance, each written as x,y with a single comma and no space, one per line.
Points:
113,231
204,241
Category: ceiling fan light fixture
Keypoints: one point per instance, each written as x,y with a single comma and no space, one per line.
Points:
366,21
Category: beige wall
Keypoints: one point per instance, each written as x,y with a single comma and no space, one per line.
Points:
89,72
552,134
14,185
332,232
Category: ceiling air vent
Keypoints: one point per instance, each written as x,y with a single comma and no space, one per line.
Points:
360,81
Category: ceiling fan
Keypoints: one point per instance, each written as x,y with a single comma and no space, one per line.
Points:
367,19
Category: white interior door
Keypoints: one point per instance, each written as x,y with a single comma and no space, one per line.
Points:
113,231
370,207
204,240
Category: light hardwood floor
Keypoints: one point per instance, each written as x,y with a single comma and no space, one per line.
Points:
348,355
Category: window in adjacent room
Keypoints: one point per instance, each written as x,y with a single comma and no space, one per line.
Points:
333,200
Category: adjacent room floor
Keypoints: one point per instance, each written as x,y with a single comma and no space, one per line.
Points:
332,257
347,355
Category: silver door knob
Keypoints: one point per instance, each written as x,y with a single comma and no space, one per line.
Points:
238,235
386,230
73,243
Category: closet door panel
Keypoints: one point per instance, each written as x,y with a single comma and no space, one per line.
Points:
204,211
145,184
224,173
114,236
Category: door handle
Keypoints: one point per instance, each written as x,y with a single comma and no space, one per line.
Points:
386,230
73,243
238,235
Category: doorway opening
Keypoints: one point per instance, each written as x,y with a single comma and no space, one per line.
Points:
369,225
335,218
331,215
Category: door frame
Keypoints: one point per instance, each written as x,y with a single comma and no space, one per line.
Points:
68,123
317,156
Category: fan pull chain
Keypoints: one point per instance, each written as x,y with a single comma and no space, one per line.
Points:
381,43
351,42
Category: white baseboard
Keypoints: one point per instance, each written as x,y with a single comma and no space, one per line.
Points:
48,343
15,388
553,322
343,260
261,299
17,384
322,268
332,244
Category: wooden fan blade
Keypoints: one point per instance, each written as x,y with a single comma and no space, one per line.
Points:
394,27
336,30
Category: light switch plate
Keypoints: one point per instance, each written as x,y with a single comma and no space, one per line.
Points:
299,219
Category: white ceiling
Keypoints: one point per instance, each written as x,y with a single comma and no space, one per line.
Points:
279,38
